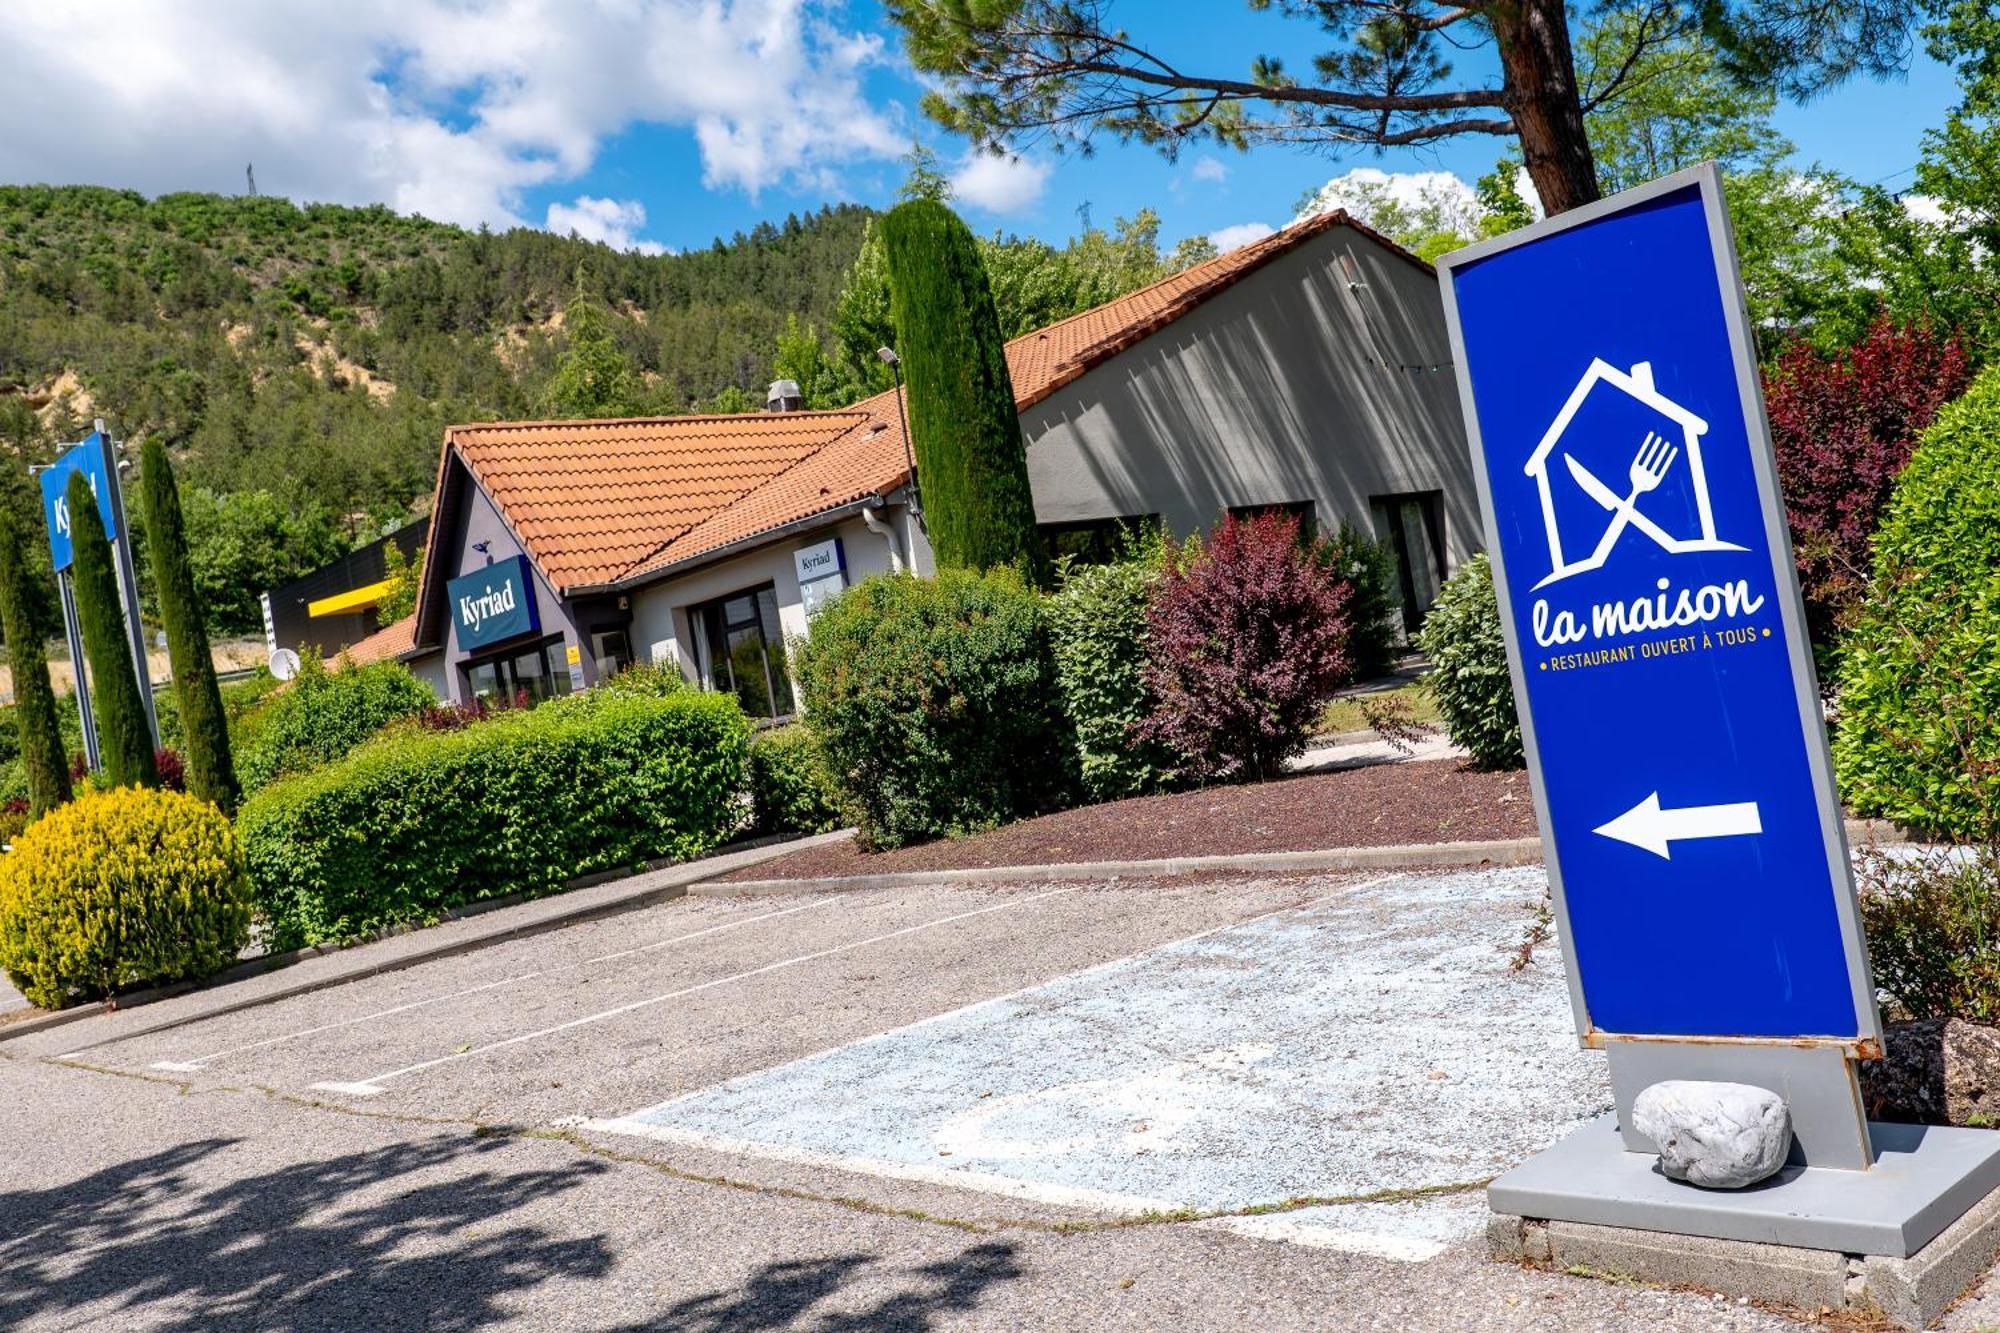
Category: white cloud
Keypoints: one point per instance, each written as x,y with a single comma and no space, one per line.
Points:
615,222
1212,170
444,107
1924,208
998,183
1372,196
1240,235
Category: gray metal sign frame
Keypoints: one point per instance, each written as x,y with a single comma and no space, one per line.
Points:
1708,179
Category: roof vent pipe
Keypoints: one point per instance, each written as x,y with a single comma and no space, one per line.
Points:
784,397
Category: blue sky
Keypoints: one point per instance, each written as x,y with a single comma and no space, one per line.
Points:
667,122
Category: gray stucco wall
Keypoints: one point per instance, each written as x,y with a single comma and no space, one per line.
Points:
1271,391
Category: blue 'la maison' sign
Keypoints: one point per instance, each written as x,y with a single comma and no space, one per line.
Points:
1653,623
493,604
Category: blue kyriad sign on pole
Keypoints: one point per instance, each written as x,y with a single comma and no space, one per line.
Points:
92,459
493,603
1654,626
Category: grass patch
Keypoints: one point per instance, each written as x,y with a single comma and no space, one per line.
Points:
1345,714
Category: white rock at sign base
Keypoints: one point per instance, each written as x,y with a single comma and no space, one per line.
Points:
1718,1135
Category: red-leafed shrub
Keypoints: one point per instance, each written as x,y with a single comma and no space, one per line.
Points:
173,768
1844,426
1247,639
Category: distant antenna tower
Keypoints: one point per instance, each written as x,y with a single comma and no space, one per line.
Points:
250,172
1083,213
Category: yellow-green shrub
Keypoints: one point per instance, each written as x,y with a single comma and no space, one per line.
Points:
124,888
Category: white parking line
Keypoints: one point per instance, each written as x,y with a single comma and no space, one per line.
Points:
369,1087
191,1066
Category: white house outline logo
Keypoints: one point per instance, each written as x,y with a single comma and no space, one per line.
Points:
1638,384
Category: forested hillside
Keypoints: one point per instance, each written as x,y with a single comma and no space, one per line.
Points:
302,362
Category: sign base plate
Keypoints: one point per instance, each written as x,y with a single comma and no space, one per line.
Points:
1924,1178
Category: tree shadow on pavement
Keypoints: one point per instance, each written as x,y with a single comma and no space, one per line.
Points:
408,1235
780,1295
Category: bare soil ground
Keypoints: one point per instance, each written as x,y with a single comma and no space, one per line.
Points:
1378,806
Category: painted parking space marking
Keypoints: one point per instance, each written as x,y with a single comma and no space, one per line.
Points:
372,1086
1371,1046
196,1064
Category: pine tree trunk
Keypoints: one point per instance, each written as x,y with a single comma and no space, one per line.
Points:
123,738
42,757
211,774
1539,76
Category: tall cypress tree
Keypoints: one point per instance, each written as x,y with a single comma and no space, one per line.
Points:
210,773
971,465
34,699
122,734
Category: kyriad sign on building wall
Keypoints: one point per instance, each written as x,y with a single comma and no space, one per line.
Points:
493,604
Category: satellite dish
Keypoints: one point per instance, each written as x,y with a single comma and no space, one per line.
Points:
284,663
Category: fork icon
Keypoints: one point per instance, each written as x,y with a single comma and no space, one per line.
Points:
1648,470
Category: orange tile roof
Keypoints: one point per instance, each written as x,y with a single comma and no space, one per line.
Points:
391,641
602,502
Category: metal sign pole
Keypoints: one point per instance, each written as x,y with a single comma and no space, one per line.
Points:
128,583
74,632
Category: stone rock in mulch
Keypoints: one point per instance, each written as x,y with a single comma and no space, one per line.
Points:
1937,1071
1716,1135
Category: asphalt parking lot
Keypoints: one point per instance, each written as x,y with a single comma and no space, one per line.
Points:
1267,1100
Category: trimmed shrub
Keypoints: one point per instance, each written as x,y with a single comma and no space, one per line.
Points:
1475,695
418,822
1246,641
325,714
1375,611
1097,625
1918,733
972,468
123,888
935,704
210,770
1929,916
1844,426
124,739
790,791
38,730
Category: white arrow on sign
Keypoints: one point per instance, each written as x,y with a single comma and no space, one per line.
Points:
1647,826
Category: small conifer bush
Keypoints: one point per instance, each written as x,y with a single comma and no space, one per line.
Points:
120,889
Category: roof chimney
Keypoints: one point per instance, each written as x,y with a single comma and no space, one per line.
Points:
784,397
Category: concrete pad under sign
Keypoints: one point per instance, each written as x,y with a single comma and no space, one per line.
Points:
1925,1177
1911,1292
1904,1238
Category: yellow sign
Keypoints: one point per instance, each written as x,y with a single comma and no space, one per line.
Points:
575,655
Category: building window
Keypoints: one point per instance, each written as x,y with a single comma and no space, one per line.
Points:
743,651
538,673
1099,541
1412,527
611,651
1303,510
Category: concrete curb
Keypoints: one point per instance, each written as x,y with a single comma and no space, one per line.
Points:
499,920
1506,852
1499,852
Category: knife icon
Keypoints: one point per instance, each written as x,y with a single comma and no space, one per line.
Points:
1617,503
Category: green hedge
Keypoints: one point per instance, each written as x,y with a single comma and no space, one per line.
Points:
935,704
1097,622
790,789
1468,678
322,715
418,822
1918,738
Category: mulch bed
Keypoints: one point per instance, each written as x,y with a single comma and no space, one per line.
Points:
1378,806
